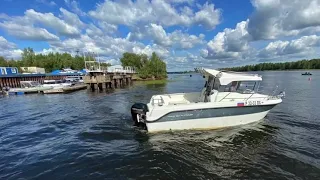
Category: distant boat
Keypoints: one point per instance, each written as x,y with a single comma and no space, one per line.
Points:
307,74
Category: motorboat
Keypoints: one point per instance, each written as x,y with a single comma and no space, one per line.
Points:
56,84
227,99
307,73
28,87
62,86
78,79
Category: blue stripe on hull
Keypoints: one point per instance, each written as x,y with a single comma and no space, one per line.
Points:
212,112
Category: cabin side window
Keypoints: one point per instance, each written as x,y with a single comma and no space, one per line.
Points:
231,87
247,86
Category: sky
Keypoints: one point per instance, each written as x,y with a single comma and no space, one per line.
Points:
184,33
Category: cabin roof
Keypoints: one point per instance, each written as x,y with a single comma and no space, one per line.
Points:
226,77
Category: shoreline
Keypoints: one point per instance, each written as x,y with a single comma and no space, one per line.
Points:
305,70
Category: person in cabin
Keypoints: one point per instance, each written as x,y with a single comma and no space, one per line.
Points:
233,87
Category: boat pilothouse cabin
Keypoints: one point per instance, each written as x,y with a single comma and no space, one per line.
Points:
223,86
227,99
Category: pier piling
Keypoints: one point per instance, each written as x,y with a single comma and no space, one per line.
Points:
103,81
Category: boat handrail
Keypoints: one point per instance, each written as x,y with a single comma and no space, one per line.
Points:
270,97
225,96
281,95
249,97
160,101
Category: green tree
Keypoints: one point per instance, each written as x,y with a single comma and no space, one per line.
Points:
49,61
3,62
153,67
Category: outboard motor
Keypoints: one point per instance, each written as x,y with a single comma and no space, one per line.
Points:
138,113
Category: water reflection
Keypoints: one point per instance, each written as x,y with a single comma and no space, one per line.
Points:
89,135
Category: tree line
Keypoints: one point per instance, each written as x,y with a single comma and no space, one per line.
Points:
302,64
153,67
50,61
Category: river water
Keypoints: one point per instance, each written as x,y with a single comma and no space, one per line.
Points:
89,135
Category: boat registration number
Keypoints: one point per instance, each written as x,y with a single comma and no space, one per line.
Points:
253,103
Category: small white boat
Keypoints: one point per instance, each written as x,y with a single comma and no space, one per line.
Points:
66,89
28,87
75,79
56,84
227,99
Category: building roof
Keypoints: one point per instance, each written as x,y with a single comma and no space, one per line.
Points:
226,77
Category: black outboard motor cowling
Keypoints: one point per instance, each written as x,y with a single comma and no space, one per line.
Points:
139,109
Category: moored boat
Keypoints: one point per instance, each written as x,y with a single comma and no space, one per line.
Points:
28,87
56,84
74,87
227,99
60,86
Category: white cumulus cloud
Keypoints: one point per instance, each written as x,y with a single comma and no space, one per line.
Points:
283,48
28,32
51,21
74,6
9,50
161,12
228,44
275,18
158,35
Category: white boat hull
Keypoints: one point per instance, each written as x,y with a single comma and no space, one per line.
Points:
206,123
227,99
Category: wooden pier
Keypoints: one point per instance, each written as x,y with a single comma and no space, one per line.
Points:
94,80
101,80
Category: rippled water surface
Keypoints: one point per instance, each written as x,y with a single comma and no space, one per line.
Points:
87,135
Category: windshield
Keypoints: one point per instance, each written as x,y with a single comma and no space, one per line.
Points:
241,87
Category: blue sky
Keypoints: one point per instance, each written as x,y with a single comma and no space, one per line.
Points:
185,33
